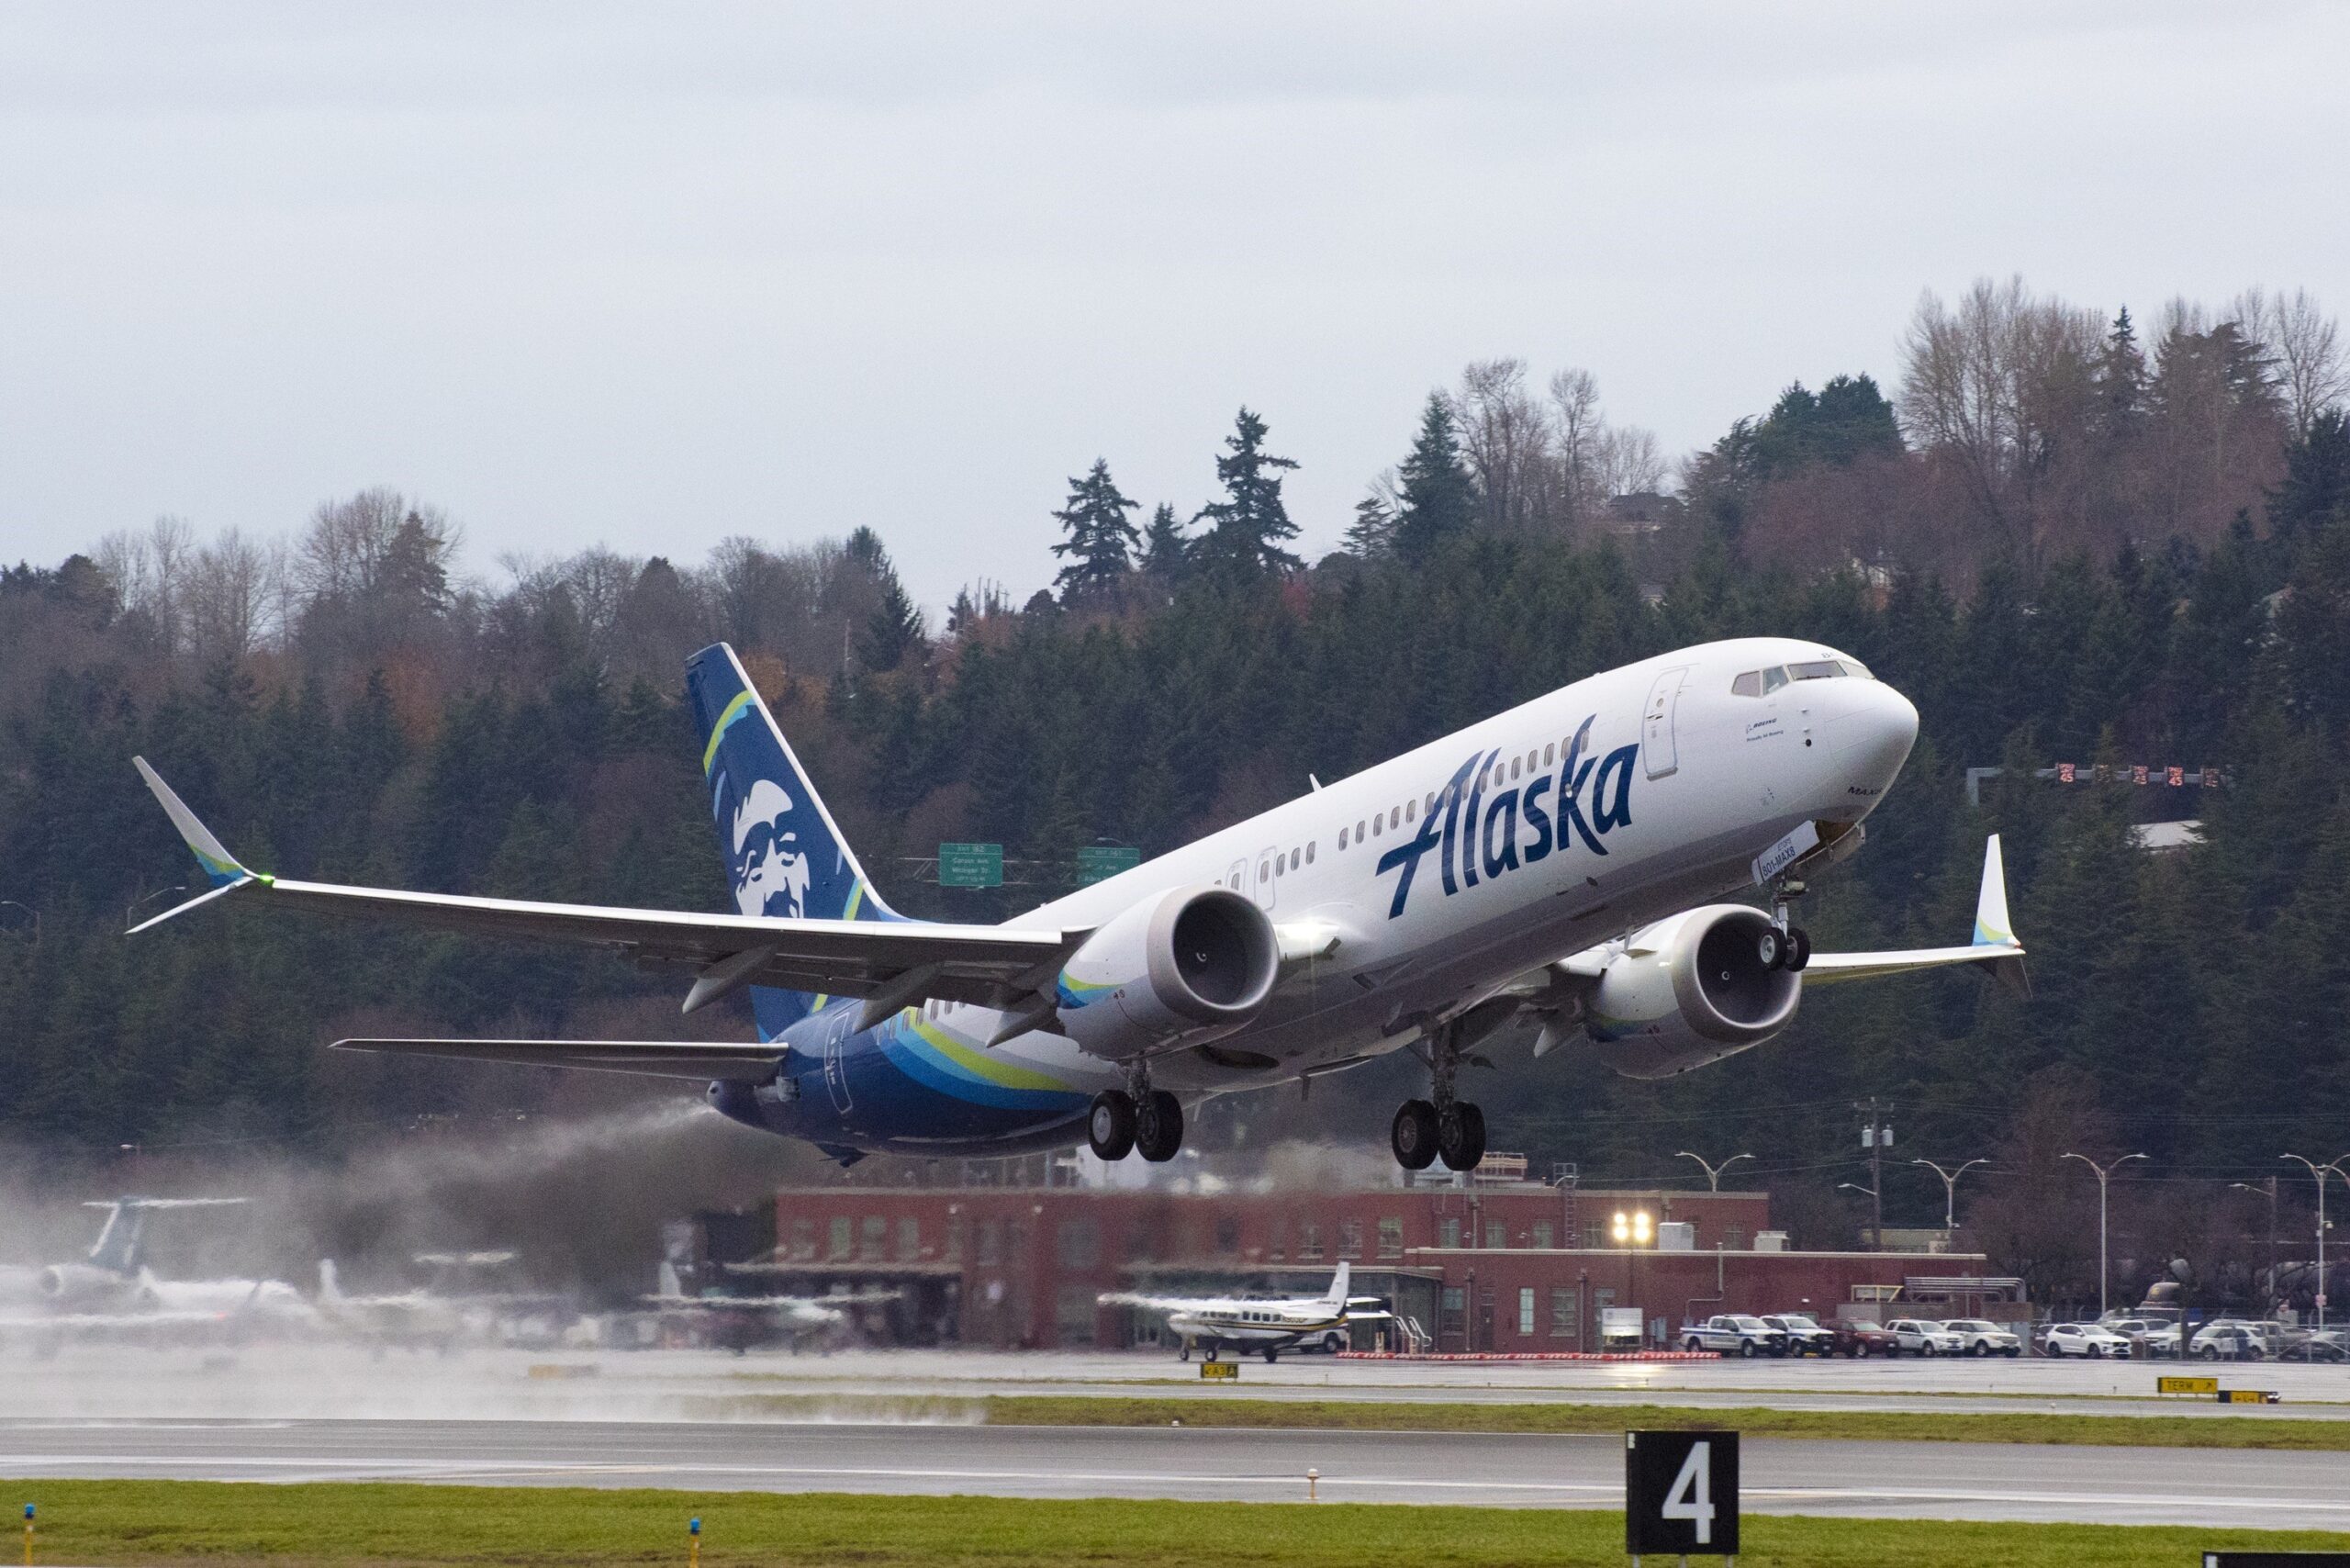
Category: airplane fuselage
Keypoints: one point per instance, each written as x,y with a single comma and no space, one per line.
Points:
1442,874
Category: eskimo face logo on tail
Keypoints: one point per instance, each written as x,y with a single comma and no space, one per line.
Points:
768,862
1470,834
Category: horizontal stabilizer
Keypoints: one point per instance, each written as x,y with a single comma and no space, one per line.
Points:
1993,945
698,1059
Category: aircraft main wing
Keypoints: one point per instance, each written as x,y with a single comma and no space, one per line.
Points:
890,964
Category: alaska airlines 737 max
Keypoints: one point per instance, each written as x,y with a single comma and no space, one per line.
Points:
1553,865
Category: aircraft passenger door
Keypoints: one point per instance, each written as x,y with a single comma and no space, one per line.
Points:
1656,723
1237,877
1267,879
835,1069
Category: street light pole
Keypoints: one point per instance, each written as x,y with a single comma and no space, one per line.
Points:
1713,1172
2103,1172
2268,1187
1950,1190
2318,1171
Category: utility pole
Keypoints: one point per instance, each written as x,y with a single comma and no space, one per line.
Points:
2103,1172
1877,1137
2268,1186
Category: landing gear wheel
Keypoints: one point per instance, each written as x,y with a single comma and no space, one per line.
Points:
1158,1127
1461,1135
1110,1125
1412,1135
1770,948
1271,1355
1798,949
1187,1351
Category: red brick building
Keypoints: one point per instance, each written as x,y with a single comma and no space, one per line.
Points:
1502,1268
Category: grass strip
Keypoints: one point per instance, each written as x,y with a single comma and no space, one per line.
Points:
1889,1425
222,1525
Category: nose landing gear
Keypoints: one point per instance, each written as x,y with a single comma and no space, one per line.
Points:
1442,1126
1786,946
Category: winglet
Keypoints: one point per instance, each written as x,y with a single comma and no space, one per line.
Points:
220,866
1993,928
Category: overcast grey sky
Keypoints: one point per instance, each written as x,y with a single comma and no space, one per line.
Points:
652,275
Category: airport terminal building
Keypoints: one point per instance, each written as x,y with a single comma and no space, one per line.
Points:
1495,1267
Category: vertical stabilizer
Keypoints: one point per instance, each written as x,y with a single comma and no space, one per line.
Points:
1992,926
785,856
1336,1298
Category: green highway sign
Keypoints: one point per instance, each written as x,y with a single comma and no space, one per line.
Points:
1100,862
970,865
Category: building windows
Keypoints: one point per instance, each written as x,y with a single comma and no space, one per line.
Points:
874,1238
844,1236
1525,1312
908,1238
990,1241
1447,1232
803,1240
1080,1242
1566,1315
953,1238
1390,1236
1543,1234
1497,1235
1350,1238
1309,1242
1075,1312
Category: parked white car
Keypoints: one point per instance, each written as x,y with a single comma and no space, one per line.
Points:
1980,1336
2229,1339
1924,1336
2148,1337
2090,1340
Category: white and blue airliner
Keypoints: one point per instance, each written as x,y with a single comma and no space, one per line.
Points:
1555,866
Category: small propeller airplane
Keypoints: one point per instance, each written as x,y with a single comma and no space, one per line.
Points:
1212,1323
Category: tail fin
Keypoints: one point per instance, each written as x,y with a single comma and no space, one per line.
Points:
785,856
117,1247
1336,1297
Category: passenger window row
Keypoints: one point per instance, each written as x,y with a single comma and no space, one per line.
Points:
1502,771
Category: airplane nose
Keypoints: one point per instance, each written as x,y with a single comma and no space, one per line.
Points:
1872,737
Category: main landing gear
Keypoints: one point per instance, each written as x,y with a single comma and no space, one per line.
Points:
1442,1126
1137,1117
1786,946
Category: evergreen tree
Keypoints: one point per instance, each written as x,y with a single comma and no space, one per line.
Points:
1246,528
1436,499
2120,378
1102,538
1371,535
893,628
1165,551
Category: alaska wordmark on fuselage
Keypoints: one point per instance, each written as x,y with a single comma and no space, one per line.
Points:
1551,865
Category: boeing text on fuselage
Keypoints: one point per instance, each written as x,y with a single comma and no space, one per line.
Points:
1498,877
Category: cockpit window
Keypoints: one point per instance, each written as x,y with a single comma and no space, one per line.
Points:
1747,685
1763,682
1774,678
1817,669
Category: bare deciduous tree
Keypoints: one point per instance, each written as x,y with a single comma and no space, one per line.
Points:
2309,365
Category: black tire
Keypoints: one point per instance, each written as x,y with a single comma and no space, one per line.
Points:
1926,1349
1798,950
1978,1349
1746,1348
1461,1135
1694,1345
1273,1354
1110,1125
1158,1127
2096,1352
2012,1351
1333,1342
2208,1354
1186,1353
1412,1136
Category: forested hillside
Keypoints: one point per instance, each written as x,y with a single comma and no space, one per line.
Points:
2064,545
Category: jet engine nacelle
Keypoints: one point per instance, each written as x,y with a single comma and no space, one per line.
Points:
1689,991
1183,968
78,1284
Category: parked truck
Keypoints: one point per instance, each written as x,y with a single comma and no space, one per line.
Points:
1734,1334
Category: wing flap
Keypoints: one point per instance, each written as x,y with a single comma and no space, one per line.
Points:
698,1059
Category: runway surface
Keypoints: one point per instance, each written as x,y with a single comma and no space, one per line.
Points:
302,1381
1958,1481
